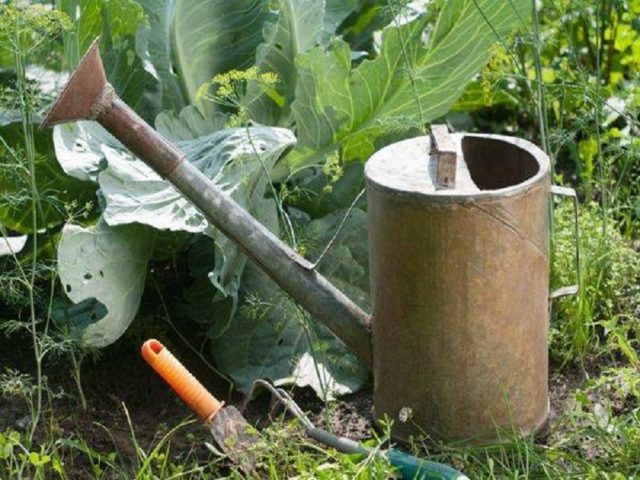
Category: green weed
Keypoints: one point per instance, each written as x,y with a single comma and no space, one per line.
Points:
602,318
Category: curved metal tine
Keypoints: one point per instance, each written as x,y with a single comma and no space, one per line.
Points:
295,409
284,398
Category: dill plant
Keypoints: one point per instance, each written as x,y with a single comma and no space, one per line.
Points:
25,32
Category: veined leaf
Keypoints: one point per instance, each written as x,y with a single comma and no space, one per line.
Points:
153,45
335,12
56,191
110,265
79,149
298,26
133,193
189,124
89,16
340,107
214,36
476,97
236,159
116,22
270,338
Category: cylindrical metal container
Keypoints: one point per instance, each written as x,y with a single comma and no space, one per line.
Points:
460,288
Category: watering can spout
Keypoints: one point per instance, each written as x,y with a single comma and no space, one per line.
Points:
83,91
89,96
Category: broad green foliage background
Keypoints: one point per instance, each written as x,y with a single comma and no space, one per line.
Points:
355,109
335,110
290,150
284,123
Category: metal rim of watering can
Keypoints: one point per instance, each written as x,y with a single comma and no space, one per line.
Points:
452,196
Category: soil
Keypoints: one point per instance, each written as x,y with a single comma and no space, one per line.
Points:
119,382
120,379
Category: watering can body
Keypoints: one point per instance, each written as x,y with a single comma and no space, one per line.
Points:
460,289
459,279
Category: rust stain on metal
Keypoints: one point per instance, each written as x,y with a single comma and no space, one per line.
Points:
460,309
81,92
88,95
443,150
459,328
103,103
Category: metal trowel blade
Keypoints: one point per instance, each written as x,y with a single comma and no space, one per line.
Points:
236,438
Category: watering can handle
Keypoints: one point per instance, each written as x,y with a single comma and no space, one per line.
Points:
572,289
444,151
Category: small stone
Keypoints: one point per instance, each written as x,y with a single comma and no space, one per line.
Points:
405,414
23,423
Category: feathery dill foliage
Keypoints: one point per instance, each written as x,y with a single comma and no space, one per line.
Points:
25,29
583,61
28,278
229,89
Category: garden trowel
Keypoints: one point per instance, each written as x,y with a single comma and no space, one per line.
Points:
231,432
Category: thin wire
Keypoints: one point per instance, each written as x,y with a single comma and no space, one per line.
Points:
340,227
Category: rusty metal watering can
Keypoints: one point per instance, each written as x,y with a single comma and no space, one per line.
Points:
459,262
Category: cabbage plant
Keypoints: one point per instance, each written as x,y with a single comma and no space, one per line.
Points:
271,102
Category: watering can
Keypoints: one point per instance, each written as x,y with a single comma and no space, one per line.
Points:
459,267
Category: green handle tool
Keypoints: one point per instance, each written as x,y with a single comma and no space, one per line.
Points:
408,466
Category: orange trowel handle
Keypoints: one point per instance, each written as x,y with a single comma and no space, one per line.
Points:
180,379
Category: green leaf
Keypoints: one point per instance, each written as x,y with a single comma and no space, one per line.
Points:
56,191
189,124
123,18
38,460
116,22
336,11
214,36
337,106
236,160
270,338
133,193
153,45
79,149
476,97
296,28
299,26
110,265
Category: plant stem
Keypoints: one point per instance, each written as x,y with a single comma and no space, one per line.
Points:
77,377
409,65
601,166
29,144
541,103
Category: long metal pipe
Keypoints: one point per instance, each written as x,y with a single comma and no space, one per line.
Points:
89,96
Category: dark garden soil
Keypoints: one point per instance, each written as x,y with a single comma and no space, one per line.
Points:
119,378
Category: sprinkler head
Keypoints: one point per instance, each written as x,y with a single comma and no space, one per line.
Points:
82,94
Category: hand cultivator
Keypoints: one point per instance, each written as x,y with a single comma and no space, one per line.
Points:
233,434
459,262
409,467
